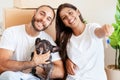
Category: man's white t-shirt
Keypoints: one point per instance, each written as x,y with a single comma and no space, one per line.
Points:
87,52
17,40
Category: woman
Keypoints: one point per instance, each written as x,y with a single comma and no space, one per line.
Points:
81,44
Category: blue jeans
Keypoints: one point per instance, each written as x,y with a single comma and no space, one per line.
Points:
10,75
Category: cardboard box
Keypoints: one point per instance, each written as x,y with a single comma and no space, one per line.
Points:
14,16
37,3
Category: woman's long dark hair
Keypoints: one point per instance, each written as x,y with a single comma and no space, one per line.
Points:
63,33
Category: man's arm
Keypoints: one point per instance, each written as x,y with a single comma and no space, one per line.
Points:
7,64
58,70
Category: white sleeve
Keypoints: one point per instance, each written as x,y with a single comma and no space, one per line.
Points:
7,40
55,56
92,27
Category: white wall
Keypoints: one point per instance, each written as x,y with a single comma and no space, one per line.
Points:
4,4
100,11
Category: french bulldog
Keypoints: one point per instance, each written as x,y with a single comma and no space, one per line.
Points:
42,46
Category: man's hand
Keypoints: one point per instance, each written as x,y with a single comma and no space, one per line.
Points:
41,58
70,66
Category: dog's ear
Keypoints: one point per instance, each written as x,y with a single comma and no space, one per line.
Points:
37,41
55,49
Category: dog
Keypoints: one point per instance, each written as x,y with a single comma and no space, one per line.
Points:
43,46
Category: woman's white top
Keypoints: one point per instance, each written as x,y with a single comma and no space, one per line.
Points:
87,52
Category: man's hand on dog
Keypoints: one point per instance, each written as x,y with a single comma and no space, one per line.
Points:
41,58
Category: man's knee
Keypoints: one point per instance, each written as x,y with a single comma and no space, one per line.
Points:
8,75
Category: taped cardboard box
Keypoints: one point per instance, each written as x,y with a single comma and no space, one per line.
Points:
14,16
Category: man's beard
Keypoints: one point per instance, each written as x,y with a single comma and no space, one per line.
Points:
33,24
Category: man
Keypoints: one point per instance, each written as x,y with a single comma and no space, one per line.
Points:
17,43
